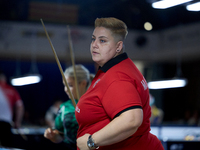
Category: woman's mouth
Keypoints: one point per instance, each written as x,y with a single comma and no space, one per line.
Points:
93,52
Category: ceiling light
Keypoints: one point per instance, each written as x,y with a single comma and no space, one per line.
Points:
193,7
148,26
176,82
164,84
26,80
33,76
168,3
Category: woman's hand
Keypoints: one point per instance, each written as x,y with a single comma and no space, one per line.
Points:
82,142
53,135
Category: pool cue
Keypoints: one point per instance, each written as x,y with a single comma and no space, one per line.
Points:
73,62
17,130
22,135
58,63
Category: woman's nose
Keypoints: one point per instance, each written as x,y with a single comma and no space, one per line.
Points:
94,43
65,89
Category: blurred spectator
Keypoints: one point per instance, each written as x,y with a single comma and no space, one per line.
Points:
11,106
186,118
194,118
156,113
52,112
65,130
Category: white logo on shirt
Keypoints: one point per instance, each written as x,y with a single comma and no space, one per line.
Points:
144,83
77,109
96,82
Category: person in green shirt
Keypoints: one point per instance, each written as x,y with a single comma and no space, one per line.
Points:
66,126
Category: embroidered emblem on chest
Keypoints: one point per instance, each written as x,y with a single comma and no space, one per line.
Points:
77,109
144,83
96,82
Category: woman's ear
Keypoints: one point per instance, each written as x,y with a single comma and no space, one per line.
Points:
119,46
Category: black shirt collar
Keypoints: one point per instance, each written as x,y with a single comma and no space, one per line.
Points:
113,62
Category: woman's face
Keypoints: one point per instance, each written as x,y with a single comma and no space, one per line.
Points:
72,87
103,46
82,86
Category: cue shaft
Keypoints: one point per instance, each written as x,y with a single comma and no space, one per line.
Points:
59,66
73,62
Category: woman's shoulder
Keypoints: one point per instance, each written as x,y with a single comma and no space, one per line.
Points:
67,104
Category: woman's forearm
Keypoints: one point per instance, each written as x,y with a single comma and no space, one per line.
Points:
120,128
19,115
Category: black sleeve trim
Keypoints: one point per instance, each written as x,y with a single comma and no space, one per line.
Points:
132,107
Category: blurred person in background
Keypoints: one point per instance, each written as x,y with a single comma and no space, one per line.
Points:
194,118
11,111
66,126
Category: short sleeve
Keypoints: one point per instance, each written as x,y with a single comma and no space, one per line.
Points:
119,96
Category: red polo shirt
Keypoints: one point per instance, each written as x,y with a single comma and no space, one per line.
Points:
117,87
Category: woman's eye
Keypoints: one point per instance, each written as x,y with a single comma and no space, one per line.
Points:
93,39
102,41
70,85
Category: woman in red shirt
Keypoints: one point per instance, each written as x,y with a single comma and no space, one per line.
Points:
114,112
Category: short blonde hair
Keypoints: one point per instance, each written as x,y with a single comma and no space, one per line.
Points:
117,27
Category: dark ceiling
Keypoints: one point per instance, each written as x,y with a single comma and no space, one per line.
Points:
134,12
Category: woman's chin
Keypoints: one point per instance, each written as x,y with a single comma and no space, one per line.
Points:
95,60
